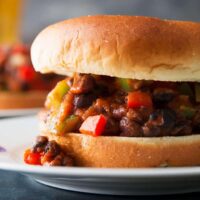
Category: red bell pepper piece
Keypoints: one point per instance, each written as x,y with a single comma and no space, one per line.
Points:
137,99
32,158
93,125
26,72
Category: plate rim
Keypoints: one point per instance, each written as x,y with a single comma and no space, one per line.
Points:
19,112
103,172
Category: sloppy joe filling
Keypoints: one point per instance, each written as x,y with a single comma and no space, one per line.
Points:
17,73
49,153
107,106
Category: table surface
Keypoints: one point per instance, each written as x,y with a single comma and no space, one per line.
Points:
17,186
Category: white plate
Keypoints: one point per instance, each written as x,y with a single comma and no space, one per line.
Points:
18,112
18,134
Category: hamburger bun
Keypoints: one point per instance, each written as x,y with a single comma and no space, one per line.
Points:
121,46
128,47
28,99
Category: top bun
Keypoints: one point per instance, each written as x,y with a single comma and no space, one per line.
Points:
121,46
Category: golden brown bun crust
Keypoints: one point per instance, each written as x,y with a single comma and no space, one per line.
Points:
122,152
122,46
31,99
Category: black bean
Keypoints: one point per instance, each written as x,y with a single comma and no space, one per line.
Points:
140,115
163,117
40,144
83,84
169,117
150,130
102,90
52,149
163,96
120,97
130,128
119,112
160,123
182,127
112,127
84,100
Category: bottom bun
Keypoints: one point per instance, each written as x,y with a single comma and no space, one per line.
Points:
105,151
15,100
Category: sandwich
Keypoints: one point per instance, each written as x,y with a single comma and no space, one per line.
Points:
20,85
131,96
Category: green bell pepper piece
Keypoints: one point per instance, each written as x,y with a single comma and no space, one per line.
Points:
56,95
124,84
68,125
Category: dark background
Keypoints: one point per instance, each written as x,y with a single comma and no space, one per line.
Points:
38,14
